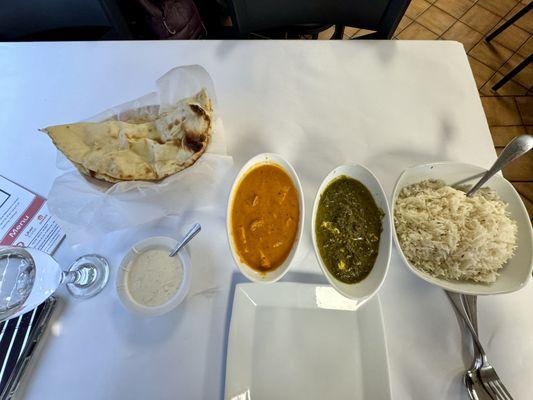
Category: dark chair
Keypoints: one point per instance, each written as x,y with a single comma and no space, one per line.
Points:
529,59
297,17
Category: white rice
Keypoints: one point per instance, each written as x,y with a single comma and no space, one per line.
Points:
451,236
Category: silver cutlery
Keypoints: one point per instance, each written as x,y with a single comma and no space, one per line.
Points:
196,228
475,387
481,380
486,372
517,147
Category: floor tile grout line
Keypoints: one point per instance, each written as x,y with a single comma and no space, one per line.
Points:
506,126
519,192
529,198
520,181
462,15
519,112
522,6
463,22
479,41
482,35
496,71
496,94
514,52
507,13
467,54
474,29
459,19
501,18
429,29
523,44
405,27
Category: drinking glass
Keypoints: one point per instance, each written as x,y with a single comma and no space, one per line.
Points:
29,276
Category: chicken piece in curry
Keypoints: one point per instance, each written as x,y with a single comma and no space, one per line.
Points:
265,214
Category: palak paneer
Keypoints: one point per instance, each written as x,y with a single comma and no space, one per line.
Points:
265,214
348,228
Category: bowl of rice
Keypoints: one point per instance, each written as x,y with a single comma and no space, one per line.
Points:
475,245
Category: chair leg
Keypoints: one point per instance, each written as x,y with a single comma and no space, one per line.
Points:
513,73
339,32
511,21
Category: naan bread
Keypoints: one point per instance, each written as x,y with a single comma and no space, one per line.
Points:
119,151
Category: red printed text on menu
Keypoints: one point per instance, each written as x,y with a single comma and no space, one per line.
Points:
25,220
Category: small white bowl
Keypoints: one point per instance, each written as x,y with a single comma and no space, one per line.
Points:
276,274
517,272
369,286
122,278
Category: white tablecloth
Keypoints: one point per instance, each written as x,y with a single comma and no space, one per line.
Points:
388,105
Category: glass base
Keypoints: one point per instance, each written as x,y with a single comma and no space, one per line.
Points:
92,275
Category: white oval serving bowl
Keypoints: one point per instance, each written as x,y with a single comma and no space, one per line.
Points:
122,278
276,274
517,272
369,286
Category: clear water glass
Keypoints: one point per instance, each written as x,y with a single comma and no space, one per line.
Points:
28,277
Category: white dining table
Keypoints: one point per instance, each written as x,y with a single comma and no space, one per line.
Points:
385,104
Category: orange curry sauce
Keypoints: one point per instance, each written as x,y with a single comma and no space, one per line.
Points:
264,217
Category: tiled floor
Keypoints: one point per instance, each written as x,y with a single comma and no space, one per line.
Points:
509,111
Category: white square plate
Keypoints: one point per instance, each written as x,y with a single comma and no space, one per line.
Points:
301,341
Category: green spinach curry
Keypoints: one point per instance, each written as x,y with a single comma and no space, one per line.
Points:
348,228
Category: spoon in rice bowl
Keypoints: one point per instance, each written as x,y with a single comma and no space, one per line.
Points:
420,183
517,147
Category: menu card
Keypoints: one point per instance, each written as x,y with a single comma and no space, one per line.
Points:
25,220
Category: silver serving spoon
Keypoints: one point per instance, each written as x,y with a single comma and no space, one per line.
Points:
196,228
517,147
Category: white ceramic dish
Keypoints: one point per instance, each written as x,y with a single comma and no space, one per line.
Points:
517,272
122,277
250,273
301,341
369,286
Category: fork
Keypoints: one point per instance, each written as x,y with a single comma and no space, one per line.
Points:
486,372
475,387
473,384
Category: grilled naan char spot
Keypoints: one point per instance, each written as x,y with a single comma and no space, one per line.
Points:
115,150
